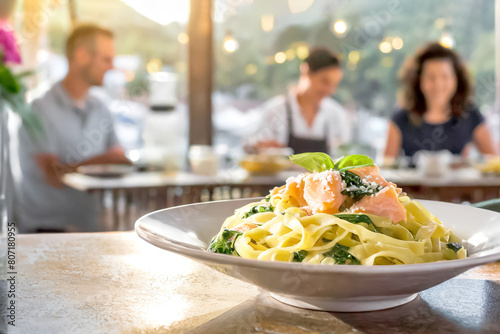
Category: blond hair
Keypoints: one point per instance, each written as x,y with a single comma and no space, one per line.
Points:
85,35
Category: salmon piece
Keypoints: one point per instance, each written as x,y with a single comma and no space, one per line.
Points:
385,203
244,227
277,190
372,174
322,192
295,189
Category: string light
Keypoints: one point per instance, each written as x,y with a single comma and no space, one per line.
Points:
385,47
447,40
290,54
154,65
183,38
353,57
267,22
340,27
302,52
230,44
280,57
397,43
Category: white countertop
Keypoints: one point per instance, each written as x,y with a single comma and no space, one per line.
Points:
466,177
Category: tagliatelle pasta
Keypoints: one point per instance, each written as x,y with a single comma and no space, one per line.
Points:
341,213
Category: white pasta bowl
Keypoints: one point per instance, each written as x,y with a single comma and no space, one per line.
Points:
187,230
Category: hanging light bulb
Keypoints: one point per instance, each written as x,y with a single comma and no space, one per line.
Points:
339,28
280,57
302,51
267,22
447,40
183,38
397,43
230,44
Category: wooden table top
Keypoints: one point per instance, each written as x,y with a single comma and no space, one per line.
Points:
116,283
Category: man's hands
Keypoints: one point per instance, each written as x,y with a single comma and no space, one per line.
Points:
52,169
114,155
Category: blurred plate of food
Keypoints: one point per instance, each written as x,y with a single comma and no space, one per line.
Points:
491,166
263,164
105,170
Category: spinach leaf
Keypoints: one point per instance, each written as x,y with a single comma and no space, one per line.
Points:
299,256
357,188
354,161
267,198
341,255
224,243
454,246
258,209
313,162
356,219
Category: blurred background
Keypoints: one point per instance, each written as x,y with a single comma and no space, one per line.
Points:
190,77
258,46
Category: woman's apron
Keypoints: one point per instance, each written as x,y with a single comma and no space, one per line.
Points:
302,145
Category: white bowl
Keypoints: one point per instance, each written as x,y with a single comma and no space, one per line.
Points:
188,229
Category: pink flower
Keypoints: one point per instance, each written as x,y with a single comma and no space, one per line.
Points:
8,44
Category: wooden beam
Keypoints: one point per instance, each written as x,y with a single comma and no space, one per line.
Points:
200,72
73,14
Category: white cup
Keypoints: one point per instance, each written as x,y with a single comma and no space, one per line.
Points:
203,160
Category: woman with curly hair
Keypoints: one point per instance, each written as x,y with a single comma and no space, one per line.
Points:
437,111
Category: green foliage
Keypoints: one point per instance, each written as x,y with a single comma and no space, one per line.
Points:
8,81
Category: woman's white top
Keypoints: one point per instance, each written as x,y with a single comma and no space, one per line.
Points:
330,118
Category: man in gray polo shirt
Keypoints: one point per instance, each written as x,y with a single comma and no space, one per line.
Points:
78,131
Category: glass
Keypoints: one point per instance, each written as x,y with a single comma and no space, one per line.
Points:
203,160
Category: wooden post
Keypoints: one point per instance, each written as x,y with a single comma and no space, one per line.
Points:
73,15
200,72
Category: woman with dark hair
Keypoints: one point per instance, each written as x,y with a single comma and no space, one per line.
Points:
438,114
306,119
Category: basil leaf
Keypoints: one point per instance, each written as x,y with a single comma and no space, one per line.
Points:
356,188
454,246
341,255
224,243
299,256
356,219
354,161
313,162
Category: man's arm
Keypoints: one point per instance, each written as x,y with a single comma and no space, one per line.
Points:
114,155
54,170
